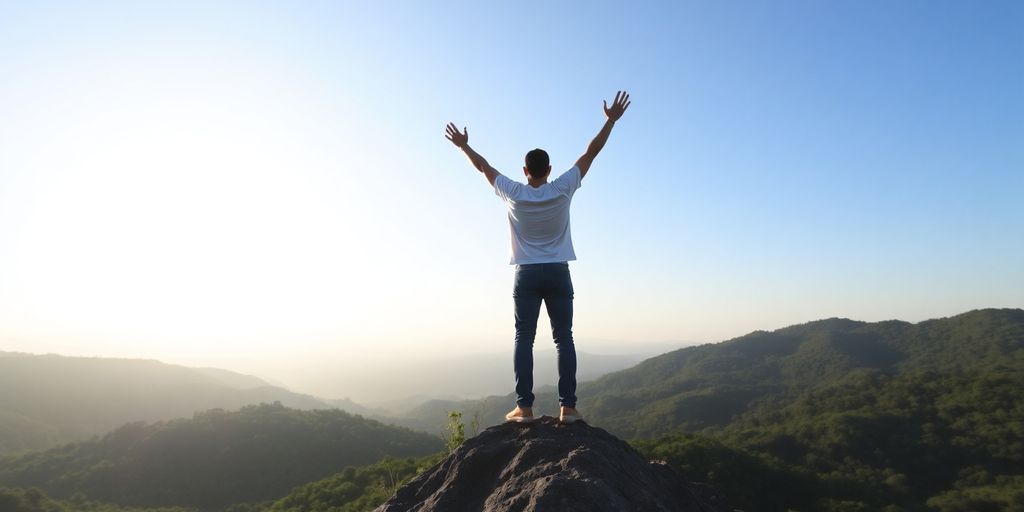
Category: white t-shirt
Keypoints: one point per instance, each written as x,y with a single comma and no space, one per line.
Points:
538,218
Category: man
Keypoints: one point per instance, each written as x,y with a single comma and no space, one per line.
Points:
538,217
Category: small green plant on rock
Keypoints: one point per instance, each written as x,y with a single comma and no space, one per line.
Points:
455,431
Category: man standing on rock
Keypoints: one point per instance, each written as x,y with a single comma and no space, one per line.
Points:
538,216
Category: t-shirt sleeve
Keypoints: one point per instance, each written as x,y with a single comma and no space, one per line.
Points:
569,181
504,187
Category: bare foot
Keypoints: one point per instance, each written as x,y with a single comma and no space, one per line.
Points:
520,415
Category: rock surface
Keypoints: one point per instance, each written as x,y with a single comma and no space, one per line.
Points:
549,467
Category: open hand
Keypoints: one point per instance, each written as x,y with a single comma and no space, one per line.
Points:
460,140
618,107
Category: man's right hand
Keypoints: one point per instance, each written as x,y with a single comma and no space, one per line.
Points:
459,139
618,107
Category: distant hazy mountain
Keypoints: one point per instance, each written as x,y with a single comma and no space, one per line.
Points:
49,399
409,381
233,379
216,459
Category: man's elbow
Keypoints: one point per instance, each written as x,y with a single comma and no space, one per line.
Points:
584,164
491,175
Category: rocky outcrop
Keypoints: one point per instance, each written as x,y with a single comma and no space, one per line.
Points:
549,467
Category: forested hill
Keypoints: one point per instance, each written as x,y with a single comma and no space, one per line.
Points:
46,400
718,384
830,415
839,415
215,459
714,385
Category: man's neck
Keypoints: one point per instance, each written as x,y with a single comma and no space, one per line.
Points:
535,183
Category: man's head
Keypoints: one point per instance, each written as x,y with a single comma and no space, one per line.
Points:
538,165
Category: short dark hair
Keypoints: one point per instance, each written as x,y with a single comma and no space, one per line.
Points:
537,163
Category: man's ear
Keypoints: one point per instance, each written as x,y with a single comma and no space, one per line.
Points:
549,171
526,171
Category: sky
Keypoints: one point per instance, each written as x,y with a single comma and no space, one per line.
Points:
265,186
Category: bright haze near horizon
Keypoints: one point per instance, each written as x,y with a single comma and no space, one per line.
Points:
265,187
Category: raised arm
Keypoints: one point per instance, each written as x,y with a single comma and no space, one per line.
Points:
461,141
612,114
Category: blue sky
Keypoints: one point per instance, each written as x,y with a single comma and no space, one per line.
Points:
199,181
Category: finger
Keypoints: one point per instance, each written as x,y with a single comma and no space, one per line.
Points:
605,104
624,107
624,99
617,95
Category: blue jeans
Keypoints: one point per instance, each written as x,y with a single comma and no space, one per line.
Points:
550,283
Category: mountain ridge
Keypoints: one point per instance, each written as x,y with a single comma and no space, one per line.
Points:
215,459
718,381
73,398
831,415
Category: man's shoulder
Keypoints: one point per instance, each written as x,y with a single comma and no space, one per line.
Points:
505,186
505,181
569,180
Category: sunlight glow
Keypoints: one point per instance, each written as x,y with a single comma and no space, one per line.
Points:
191,213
